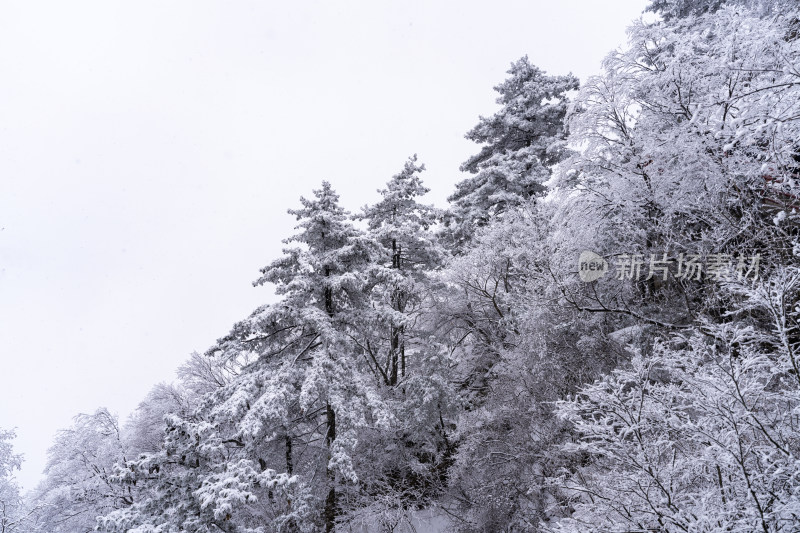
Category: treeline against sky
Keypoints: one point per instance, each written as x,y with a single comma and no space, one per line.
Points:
465,362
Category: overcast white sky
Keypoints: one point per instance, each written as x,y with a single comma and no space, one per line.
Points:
149,151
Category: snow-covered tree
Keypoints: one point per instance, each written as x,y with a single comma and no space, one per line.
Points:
493,382
518,350
322,288
13,512
77,487
521,143
691,9
143,432
400,273
680,152
405,464
689,148
255,448
690,136
701,434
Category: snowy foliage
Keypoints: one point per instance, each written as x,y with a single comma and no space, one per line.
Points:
521,143
453,363
78,485
14,516
699,435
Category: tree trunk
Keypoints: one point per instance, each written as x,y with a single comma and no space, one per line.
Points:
330,435
291,526
330,501
402,351
395,348
289,463
398,355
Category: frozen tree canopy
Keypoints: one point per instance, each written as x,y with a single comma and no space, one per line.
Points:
600,334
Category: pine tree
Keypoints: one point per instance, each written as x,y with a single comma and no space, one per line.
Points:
400,274
521,142
322,291
405,465
251,450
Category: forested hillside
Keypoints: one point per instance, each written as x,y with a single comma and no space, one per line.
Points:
599,334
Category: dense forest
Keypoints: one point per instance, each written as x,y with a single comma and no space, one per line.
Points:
599,334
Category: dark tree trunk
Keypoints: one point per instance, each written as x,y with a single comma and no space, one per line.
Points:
289,463
398,355
330,435
402,351
330,501
291,526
